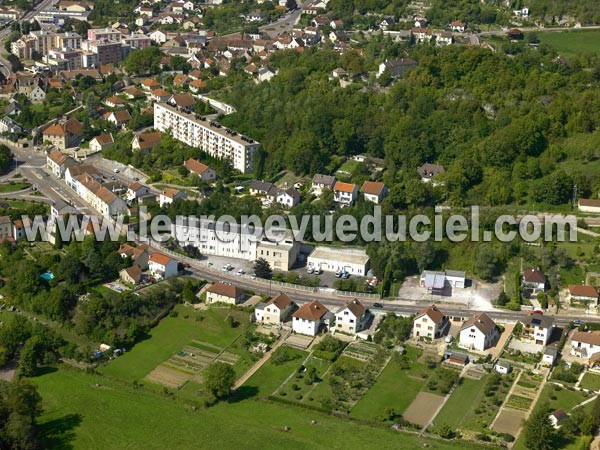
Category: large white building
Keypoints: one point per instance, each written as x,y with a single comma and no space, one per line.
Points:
585,343
211,137
478,333
239,242
351,318
334,259
311,318
430,323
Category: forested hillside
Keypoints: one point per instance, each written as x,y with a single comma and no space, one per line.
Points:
509,128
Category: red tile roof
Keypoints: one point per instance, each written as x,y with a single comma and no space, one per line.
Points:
312,311
582,290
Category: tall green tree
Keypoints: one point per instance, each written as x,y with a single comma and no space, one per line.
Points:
219,378
538,431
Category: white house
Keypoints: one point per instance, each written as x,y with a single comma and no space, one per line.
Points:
537,329
374,191
168,195
288,198
585,343
557,417
58,163
310,318
581,293
534,281
344,193
458,25
101,142
329,259
351,318
275,311
549,356
162,266
320,182
204,172
430,323
136,190
224,293
478,333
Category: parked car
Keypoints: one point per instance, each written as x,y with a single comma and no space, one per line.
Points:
116,170
377,305
227,267
241,272
310,269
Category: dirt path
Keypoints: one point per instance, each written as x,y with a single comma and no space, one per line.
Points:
258,364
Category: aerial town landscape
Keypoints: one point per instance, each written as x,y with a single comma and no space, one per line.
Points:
319,224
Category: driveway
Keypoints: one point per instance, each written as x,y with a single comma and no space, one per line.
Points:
497,349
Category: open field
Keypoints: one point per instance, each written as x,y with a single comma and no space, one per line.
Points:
13,187
171,336
422,409
84,411
395,388
569,43
455,413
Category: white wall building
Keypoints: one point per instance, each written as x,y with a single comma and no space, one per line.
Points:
585,344
211,137
333,259
351,318
478,333
162,266
310,318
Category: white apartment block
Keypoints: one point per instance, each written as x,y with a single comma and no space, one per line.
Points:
211,137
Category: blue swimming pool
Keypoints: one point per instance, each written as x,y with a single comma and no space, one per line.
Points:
47,276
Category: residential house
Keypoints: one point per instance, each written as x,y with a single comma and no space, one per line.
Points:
57,162
204,172
135,191
443,39
351,318
197,85
162,266
289,197
422,35
276,310
183,102
168,195
396,68
344,193
139,254
515,34
320,182
584,344
115,102
18,230
458,25
101,142
64,135
149,84
386,23
430,323
557,417
160,95
589,205
224,293
549,356
8,125
118,118
582,294
537,329
310,318
145,142
6,229
131,275
430,171
374,191
478,333
534,281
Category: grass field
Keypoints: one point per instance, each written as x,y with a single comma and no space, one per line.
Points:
270,376
568,43
84,411
590,381
454,413
169,337
395,388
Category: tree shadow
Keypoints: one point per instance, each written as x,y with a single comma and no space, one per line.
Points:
59,433
45,370
243,393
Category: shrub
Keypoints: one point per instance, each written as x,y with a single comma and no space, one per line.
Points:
298,396
282,355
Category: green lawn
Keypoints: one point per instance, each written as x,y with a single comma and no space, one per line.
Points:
568,43
84,411
395,388
591,381
169,337
13,187
270,376
557,397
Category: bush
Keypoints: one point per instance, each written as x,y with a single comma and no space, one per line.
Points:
282,355
173,314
